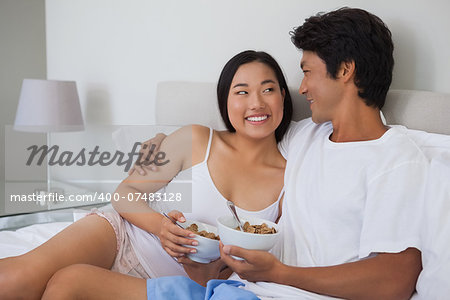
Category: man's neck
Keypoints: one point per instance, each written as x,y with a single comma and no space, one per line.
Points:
355,121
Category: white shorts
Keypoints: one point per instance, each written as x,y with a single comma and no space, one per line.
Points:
126,261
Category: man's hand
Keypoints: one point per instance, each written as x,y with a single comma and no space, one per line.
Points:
202,273
147,154
256,266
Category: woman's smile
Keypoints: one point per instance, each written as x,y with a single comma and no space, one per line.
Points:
257,119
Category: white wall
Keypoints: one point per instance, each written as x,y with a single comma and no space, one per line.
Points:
22,55
118,50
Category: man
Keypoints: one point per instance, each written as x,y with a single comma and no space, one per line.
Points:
353,186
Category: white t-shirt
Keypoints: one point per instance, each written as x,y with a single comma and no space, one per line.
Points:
346,201
434,280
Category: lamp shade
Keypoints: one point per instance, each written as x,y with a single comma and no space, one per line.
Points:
48,106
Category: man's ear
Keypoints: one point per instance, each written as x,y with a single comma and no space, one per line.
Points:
347,70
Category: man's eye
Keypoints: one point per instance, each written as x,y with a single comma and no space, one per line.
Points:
305,71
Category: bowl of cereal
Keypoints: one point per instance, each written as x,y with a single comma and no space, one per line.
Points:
258,234
208,241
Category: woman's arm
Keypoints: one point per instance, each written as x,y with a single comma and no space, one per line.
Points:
135,189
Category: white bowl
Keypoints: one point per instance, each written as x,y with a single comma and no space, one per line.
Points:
207,249
230,236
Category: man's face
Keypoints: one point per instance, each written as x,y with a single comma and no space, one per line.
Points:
322,92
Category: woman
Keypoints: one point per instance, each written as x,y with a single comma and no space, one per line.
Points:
255,104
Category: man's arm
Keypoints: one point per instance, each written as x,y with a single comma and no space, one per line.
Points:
385,276
147,152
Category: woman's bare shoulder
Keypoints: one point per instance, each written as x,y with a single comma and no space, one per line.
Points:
200,138
188,143
191,132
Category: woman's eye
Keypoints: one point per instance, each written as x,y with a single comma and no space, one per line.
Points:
268,90
241,93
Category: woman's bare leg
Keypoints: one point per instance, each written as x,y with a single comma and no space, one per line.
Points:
90,282
91,240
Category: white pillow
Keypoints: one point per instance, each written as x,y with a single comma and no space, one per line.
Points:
125,137
383,119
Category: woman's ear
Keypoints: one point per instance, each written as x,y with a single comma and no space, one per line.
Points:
283,93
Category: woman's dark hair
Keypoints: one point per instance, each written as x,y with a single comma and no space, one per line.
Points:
350,34
226,77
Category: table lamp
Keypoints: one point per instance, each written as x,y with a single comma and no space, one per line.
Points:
48,106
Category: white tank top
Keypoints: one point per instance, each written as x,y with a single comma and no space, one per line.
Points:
207,205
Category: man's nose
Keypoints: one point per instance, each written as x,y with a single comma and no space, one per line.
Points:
302,90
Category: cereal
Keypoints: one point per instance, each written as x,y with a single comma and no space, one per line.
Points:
258,229
194,228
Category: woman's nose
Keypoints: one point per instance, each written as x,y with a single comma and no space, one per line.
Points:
256,102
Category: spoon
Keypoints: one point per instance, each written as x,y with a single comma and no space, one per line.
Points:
233,212
172,220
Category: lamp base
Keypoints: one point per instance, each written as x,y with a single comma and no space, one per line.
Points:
45,197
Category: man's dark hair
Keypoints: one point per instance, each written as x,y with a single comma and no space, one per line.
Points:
226,77
350,34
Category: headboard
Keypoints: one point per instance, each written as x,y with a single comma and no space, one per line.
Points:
420,110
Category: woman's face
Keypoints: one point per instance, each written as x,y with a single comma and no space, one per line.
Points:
255,101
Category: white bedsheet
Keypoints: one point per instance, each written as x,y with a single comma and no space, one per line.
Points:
13,243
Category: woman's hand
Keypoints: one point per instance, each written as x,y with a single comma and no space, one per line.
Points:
202,273
173,237
147,154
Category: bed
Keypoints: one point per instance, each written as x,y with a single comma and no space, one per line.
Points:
425,114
